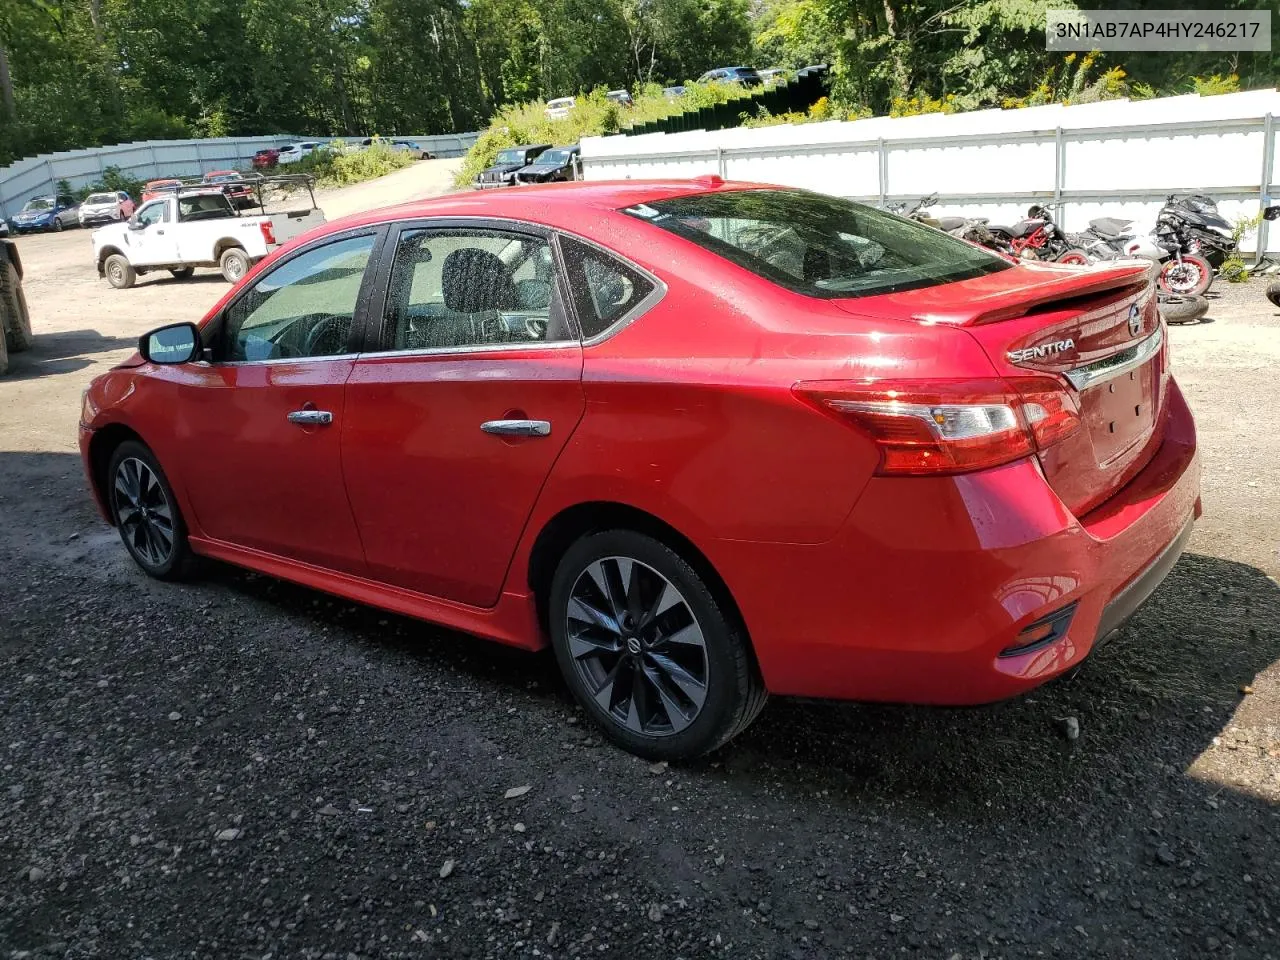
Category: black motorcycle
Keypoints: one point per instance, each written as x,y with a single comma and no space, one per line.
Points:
1195,223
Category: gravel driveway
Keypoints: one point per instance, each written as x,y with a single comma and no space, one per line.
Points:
239,768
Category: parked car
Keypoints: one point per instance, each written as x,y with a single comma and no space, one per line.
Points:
558,163
560,107
15,320
674,93
266,159
233,185
411,147
158,188
293,152
47,213
777,75
505,165
193,227
747,76
620,97
887,466
110,207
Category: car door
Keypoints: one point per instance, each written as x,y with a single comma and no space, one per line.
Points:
456,416
260,423
151,237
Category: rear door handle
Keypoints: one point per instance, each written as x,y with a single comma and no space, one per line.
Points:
517,428
311,417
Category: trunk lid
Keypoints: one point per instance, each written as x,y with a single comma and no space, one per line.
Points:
1098,331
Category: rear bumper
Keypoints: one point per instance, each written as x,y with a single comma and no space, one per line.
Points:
924,595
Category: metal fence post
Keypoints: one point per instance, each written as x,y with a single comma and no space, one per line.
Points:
1264,187
720,166
53,176
882,172
1059,172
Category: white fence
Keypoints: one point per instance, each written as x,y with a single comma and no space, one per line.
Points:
1119,158
150,159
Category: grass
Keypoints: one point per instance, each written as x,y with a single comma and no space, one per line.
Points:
335,167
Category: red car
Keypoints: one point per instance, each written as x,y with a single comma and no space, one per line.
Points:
232,181
705,440
157,188
266,159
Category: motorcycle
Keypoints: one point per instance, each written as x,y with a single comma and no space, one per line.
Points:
1038,238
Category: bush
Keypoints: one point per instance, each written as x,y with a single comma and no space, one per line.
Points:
593,115
335,167
112,181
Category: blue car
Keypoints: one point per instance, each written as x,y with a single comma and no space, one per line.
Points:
47,213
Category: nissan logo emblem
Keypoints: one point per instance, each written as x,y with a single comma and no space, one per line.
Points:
1135,320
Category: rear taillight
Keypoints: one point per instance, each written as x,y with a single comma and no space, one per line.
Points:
268,231
950,426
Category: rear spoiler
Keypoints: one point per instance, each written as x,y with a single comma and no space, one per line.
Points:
1044,285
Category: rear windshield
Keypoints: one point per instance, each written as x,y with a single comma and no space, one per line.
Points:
818,245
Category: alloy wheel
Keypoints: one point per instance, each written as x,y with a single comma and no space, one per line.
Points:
1182,278
143,512
637,646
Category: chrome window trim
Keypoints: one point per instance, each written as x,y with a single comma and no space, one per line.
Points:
279,360
478,348
1118,363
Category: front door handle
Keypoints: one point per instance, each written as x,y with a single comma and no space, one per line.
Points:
517,428
311,417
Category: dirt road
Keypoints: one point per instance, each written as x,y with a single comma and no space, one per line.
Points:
240,768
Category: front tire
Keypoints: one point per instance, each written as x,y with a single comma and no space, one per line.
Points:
58,225
146,512
1273,292
1182,309
1191,278
660,666
1074,257
119,271
234,264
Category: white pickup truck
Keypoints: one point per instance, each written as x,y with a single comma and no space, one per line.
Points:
195,226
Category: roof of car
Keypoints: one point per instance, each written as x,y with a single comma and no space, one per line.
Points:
555,204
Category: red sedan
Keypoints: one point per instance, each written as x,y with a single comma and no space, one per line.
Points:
705,440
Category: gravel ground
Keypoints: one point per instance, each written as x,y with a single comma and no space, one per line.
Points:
239,768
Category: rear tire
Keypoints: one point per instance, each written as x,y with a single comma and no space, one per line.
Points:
57,225
14,316
661,668
119,271
146,513
1191,278
4,356
1182,309
234,264
1273,292
183,273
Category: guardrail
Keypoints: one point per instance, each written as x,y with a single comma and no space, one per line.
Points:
152,159
1121,167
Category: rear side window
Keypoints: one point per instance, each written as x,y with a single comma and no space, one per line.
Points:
605,290
818,245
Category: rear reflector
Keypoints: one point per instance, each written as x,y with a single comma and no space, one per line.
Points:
950,426
268,231
1048,629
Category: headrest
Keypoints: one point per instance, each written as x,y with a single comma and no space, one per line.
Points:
476,280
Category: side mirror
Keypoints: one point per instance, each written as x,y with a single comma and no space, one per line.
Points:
1271,213
135,225
176,343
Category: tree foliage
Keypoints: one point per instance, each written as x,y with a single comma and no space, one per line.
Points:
82,72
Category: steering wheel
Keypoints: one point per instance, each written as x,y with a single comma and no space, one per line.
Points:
327,337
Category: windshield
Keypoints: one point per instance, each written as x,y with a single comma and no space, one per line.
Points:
39,203
96,198
818,245
556,158
510,156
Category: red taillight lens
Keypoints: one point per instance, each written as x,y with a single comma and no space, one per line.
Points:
950,426
268,231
